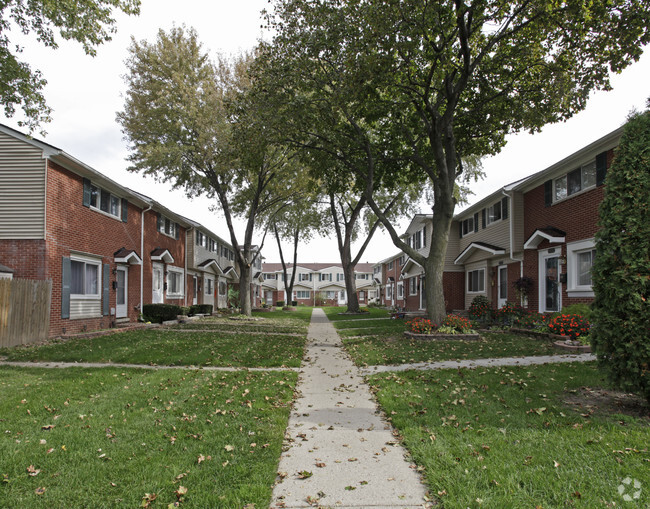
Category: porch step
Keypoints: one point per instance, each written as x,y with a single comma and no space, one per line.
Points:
122,322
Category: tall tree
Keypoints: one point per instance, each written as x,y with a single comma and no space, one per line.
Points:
442,81
621,270
192,122
90,23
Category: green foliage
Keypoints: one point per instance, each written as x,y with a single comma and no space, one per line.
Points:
459,324
582,309
203,309
480,308
508,313
280,303
158,313
90,23
621,271
421,325
233,297
574,326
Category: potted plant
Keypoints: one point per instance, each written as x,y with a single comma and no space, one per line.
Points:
523,286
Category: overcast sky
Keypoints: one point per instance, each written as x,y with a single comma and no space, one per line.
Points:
86,93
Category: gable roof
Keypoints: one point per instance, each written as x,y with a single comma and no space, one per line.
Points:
315,267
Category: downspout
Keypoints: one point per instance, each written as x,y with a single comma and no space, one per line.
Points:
512,228
186,274
142,252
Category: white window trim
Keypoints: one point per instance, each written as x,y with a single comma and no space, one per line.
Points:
475,292
411,290
118,217
573,249
473,226
177,270
566,176
92,261
489,222
400,290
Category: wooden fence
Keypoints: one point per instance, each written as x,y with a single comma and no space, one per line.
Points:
24,311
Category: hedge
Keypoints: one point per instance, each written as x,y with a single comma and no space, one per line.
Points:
159,313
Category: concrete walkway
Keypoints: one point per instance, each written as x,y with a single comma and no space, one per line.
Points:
340,453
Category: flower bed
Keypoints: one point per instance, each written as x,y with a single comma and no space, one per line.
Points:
442,336
453,327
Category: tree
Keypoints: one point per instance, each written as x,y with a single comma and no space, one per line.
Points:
435,83
90,23
621,271
191,122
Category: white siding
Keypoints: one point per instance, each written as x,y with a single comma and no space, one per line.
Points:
22,190
85,308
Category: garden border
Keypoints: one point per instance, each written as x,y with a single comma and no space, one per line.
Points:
437,336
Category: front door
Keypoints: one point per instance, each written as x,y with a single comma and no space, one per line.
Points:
342,299
157,285
502,295
121,300
195,294
550,289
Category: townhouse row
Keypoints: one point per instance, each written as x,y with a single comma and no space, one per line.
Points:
530,242
316,284
107,249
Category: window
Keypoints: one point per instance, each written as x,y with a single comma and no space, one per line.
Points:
401,260
413,286
223,288
269,276
580,260
302,294
389,292
200,239
494,213
476,281
390,265
85,279
361,295
167,226
340,277
400,290
174,282
467,226
376,269
208,286
212,245
575,181
330,295
304,277
101,199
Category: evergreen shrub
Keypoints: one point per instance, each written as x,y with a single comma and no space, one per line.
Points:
159,313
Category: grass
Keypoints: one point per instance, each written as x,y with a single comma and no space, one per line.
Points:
335,313
504,437
392,347
172,347
301,313
119,435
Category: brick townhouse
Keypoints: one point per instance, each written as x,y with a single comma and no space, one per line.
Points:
107,249
316,284
541,227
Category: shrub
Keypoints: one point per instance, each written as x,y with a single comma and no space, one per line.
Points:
185,310
203,309
509,313
280,303
479,309
159,313
420,325
294,302
457,323
620,274
574,326
578,309
532,320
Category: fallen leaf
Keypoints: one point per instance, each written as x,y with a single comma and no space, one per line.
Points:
350,488
47,427
229,448
304,474
39,491
320,465
33,472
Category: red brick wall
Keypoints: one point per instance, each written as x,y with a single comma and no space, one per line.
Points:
454,289
577,216
28,258
73,227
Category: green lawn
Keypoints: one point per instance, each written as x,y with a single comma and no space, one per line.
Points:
301,313
108,437
173,347
335,313
390,347
506,437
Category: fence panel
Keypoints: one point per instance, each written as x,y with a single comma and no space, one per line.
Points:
24,311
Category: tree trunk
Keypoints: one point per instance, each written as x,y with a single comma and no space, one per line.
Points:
351,287
245,280
434,265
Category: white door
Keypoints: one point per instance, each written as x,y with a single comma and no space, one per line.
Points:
342,299
122,293
195,295
550,288
502,295
157,285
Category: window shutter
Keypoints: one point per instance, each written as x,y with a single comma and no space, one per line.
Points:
125,210
601,168
159,222
484,218
548,193
504,207
106,289
475,222
66,276
176,231
424,237
460,230
86,198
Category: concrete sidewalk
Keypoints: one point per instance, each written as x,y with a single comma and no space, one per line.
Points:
340,453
